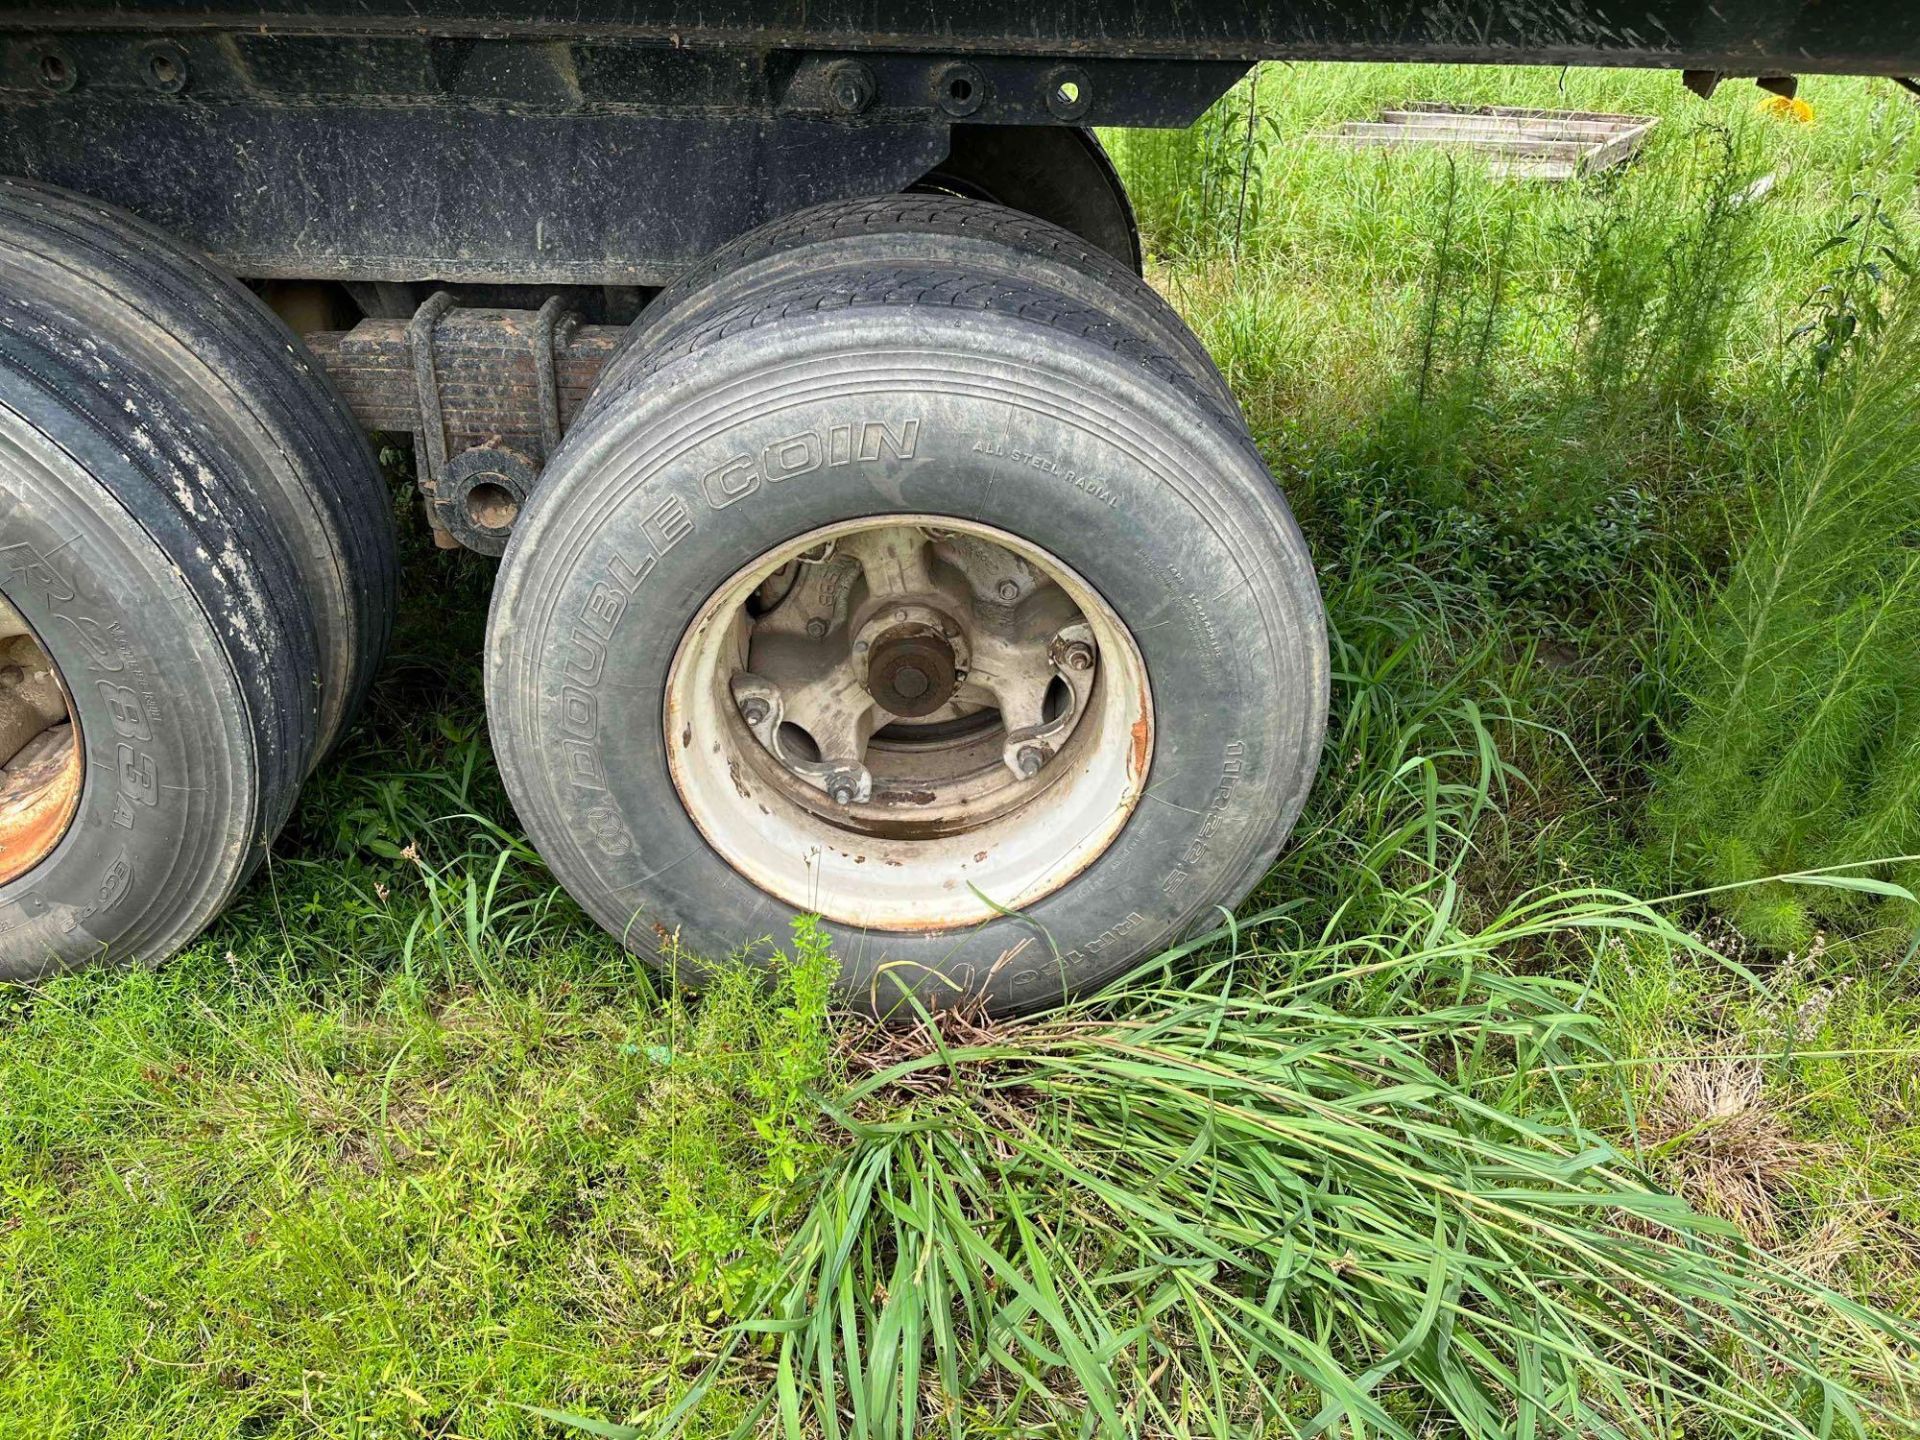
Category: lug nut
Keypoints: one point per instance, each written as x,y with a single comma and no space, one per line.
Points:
843,787
1079,656
816,628
754,710
1030,759
1008,590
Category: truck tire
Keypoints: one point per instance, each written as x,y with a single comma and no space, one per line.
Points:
1004,469
143,575
927,230
220,353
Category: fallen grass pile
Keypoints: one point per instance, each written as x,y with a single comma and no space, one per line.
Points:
1246,1203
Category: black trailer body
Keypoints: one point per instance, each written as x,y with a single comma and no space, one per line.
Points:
605,143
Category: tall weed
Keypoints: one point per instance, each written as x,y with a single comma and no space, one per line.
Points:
1662,277
1800,748
1197,191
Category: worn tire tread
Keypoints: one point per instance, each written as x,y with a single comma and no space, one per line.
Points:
902,221
252,360
196,505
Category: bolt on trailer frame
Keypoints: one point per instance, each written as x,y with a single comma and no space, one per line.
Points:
877,240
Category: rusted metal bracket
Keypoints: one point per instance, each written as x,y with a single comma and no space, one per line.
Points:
485,393
547,321
430,433
486,378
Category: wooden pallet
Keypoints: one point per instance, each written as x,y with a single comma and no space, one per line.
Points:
1532,144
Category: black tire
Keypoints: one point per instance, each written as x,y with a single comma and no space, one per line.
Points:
222,355
1184,535
136,544
928,231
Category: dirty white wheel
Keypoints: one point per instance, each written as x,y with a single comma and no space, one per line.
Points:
908,722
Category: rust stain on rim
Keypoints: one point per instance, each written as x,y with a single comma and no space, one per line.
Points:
39,791
42,762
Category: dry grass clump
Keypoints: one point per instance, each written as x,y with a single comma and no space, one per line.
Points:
1720,1141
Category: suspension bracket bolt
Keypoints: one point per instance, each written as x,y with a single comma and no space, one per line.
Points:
850,87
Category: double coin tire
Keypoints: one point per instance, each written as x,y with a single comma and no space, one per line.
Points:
926,231
196,576
949,608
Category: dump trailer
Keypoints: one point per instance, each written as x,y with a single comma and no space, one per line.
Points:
872,541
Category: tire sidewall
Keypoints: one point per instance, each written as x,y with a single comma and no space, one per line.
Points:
666,492
152,851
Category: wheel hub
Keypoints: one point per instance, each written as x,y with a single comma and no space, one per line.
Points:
926,682
862,671
911,671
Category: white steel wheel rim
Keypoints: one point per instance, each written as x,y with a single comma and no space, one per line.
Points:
872,863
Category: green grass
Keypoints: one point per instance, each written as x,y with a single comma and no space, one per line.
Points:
1801,742
406,1146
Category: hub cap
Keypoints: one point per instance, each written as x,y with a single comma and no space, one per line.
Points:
40,758
908,723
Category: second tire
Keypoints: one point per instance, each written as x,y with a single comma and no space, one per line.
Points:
859,490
